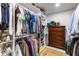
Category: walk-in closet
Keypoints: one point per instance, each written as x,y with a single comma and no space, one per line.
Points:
39,29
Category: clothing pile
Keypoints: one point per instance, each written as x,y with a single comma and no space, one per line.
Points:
27,46
6,49
51,24
26,22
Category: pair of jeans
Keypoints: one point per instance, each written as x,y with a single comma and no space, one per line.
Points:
5,15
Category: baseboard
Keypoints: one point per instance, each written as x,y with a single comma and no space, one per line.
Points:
56,49
42,48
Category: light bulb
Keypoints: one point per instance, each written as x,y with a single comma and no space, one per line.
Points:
57,4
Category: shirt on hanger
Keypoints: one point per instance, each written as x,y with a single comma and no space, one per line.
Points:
18,50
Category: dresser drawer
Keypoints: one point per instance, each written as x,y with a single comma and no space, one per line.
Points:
56,28
56,36
58,33
56,45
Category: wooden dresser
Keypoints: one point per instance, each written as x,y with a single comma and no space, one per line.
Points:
56,36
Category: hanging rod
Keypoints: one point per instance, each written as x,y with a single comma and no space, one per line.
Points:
25,35
22,36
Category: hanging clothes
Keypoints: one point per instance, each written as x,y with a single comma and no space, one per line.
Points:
18,50
24,26
30,45
6,11
26,49
5,15
28,18
33,24
2,12
26,21
16,18
77,49
23,20
20,43
19,24
73,28
39,24
0,15
35,43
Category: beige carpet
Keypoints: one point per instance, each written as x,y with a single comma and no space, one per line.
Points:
52,52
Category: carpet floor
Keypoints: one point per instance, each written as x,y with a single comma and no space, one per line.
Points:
51,52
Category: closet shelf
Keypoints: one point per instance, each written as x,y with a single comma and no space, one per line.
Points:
5,42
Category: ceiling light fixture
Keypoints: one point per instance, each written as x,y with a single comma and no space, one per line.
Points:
57,4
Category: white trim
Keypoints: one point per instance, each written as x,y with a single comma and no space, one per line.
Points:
42,48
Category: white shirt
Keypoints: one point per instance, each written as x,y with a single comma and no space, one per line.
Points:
18,51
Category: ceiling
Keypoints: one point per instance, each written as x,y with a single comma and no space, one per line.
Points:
49,8
30,7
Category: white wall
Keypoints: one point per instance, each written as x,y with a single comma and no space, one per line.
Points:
63,17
